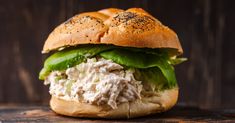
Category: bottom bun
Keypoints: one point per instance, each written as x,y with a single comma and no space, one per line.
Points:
145,106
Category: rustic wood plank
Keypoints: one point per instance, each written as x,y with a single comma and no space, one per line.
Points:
177,114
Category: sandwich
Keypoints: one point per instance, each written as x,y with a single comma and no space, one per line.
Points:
111,63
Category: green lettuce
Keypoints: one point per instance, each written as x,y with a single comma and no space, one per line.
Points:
177,61
141,61
151,65
155,76
64,59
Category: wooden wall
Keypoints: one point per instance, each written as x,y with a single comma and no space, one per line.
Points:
205,28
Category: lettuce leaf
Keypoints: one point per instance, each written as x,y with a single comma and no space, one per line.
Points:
153,65
142,61
155,76
177,61
64,59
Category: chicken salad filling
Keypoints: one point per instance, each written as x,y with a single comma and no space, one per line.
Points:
97,81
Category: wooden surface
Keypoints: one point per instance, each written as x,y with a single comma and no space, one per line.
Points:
205,28
177,114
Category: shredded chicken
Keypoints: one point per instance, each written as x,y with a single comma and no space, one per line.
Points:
100,82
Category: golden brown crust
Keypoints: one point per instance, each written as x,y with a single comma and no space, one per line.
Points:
80,29
164,101
131,28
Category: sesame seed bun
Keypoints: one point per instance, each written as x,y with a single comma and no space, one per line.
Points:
131,28
128,28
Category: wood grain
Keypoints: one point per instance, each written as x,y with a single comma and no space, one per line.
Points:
205,28
177,114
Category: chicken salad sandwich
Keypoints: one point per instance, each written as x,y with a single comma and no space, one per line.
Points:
111,63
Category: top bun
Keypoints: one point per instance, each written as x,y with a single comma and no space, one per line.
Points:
131,28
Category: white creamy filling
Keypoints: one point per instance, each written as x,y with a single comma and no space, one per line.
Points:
97,82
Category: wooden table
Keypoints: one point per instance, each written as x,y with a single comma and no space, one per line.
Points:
177,114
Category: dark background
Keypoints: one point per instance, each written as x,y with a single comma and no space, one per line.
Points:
205,28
